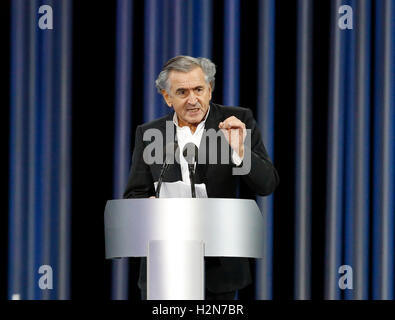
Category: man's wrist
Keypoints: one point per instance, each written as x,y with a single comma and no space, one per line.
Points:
236,158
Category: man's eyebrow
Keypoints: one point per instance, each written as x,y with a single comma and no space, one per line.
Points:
197,87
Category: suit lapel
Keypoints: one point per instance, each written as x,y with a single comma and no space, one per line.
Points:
173,173
212,122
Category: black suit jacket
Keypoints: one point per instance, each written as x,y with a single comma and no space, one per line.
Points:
222,274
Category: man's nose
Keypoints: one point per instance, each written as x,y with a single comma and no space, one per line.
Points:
192,98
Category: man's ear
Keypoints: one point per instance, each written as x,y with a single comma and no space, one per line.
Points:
167,98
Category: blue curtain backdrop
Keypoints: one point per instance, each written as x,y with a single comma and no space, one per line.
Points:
323,97
40,151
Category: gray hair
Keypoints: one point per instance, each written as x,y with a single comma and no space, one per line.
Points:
185,64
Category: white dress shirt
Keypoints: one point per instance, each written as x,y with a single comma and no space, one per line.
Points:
185,135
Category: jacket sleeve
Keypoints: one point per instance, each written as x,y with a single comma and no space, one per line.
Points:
263,177
140,183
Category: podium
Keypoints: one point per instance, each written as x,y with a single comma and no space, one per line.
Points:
175,234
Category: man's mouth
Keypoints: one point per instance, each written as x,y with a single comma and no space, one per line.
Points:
193,110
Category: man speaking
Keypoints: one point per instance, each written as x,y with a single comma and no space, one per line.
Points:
186,84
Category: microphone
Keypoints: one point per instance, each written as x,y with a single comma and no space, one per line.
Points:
170,150
190,154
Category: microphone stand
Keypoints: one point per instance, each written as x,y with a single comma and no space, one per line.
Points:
191,168
162,173
171,151
191,159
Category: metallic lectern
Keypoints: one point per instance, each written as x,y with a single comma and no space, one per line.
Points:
175,234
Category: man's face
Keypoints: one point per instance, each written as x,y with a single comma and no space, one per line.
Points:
190,96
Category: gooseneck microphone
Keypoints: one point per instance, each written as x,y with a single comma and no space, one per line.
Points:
190,153
170,153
